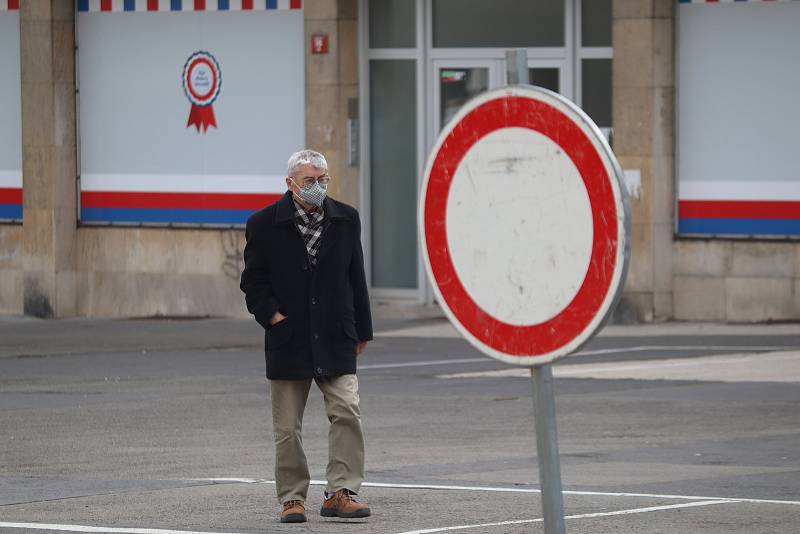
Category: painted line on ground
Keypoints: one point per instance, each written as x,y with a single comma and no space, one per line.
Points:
500,489
117,530
642,348
633,370
424,363
577,516
624,350
124,530
682,362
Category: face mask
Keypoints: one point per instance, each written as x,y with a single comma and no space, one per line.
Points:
313,194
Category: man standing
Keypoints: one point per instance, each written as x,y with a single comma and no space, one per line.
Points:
304,282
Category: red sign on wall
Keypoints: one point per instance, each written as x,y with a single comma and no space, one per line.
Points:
319,43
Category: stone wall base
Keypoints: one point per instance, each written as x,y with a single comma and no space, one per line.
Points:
736,281
11,271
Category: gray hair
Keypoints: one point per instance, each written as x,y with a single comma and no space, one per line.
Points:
307,157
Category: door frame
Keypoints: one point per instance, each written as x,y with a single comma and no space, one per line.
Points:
427,58
417,294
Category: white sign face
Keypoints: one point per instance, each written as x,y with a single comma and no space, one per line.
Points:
524,225
534,193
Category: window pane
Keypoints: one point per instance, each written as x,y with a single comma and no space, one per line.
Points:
391,24
500,23
457,86
596,87
546,77
393,172
596,22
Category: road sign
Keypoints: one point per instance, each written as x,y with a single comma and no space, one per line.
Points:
524,225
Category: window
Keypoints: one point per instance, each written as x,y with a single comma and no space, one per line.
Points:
391,24
596,90
393,172
499,23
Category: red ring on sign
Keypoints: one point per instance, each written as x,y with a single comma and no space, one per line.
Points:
556,332
213,70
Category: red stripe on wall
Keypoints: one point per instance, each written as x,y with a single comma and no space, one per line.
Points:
152,5
295,4
247,4
739,209
10,195
13,5
105,5
227,201
199,5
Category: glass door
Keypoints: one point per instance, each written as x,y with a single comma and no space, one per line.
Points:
458,80
550,74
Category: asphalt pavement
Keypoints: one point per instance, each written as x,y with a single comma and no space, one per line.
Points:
163,426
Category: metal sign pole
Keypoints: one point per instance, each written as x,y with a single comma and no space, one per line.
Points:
544,415
517,67
544,412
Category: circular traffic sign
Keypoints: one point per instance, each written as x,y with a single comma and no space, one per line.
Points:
524,225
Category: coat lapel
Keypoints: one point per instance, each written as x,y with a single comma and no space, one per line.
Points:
333,217
284,209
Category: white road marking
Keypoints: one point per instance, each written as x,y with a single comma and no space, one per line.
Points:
577,516
86,528
750,367
499,489
123,530
642,348
697,501
439,327
423,363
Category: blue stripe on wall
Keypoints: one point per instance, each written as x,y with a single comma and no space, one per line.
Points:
129,5
777,227
83,5
175,5
223,5
272,4
13,211
158,215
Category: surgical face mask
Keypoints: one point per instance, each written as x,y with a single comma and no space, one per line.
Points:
313,194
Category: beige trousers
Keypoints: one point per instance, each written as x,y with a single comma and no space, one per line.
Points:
345,438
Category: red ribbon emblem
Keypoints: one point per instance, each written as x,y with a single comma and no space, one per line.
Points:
202,79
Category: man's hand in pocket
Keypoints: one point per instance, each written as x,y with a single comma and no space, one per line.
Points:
278,317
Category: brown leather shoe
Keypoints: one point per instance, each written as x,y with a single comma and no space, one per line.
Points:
293,512
342,504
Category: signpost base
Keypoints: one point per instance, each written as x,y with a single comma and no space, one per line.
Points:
544,414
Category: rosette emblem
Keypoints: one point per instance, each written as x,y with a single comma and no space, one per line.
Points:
202,79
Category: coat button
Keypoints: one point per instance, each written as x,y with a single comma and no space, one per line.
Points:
319,370
313,300
316,335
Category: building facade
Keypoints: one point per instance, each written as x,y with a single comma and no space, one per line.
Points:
136,136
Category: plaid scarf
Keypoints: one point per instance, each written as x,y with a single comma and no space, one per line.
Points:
310,225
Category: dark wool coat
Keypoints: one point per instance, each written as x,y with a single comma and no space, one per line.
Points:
326,307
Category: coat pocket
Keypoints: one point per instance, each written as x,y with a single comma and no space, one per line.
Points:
349,330
279,334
